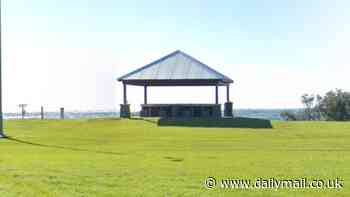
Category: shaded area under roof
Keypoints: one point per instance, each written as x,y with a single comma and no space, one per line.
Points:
176,69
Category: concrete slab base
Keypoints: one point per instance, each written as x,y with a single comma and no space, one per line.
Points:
181,111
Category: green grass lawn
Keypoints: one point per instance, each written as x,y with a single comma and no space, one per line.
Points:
140,158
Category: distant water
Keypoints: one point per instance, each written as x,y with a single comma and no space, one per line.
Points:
67,115
270,114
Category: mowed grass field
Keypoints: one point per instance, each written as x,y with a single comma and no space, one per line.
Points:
139,158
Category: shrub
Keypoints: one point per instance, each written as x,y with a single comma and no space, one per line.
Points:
288,115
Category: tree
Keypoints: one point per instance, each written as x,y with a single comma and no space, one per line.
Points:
335,105
308,102
317,109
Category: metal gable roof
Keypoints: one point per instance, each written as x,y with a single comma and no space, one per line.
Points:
176,66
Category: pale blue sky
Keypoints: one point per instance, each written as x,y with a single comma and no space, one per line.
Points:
68,53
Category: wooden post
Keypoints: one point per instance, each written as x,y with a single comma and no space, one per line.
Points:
145,94
62,113
124,88
216,95
42,113
228,93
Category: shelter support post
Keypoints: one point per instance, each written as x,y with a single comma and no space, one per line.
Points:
125,107
216,95
145,94
124,94
228,93
228,108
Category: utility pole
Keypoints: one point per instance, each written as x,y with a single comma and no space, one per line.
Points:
23,106
1,115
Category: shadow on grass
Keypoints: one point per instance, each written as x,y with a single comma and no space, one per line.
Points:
174,159
102,119
218,123
153,121
60,147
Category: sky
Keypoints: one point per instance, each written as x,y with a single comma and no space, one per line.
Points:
69,53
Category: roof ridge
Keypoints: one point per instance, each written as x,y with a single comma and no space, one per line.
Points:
149,65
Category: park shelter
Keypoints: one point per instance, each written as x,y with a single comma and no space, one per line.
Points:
177,69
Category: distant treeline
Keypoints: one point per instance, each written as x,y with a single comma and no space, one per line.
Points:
334,106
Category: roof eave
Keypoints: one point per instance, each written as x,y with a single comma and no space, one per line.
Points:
177,82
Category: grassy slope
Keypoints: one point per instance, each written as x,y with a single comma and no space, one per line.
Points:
137,158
